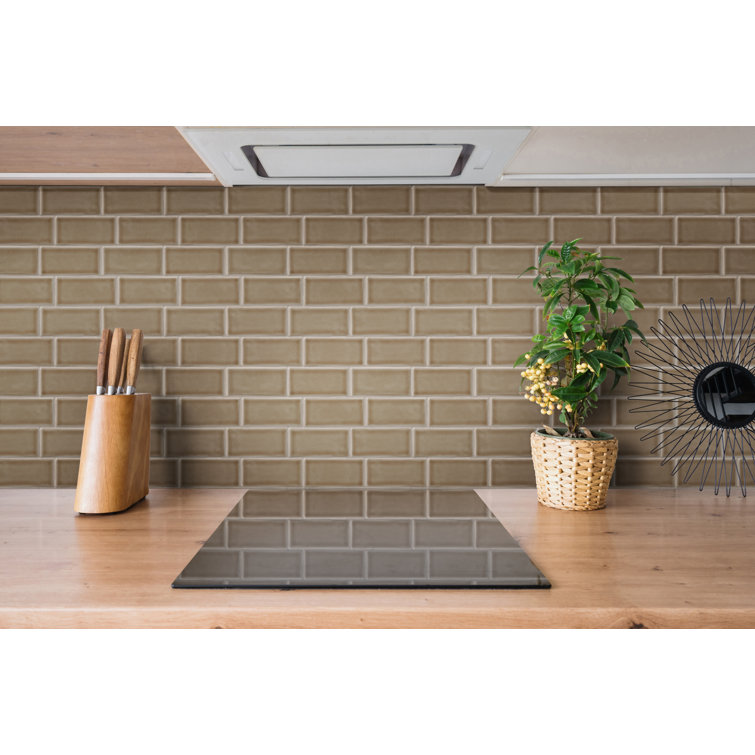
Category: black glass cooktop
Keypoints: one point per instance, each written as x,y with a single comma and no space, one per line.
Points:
360,538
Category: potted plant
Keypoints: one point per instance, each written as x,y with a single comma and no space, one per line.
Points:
568,363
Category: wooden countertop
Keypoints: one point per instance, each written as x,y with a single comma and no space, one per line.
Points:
653,558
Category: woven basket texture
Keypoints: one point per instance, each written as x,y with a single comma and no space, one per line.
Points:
572,473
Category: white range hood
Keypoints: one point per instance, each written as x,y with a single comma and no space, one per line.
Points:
265,156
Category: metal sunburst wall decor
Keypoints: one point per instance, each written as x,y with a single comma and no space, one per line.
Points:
700,392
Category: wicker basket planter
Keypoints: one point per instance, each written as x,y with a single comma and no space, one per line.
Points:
573,473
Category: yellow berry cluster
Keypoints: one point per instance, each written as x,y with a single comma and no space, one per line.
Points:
542,381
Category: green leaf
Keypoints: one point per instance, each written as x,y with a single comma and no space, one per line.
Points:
566,252
543,251
569,395
609,359
592,360
620,272
524,272
557,356
521,359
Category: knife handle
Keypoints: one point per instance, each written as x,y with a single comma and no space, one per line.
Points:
115,359
102,355
124,361
134,358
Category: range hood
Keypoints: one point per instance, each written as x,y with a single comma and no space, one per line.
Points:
265,156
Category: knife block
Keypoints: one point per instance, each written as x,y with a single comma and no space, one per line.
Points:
114,467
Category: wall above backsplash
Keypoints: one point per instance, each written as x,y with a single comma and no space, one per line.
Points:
326,336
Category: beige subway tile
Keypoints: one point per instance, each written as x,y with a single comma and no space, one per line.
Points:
654,290
267,442
26,472
504,321
512,291
372,382
318,381
458,472
209,231
333,351
77,351
340,473
636,472
198,321
133,200
18,199
630,443
248,321
434,200
25,290
213,411
690,260
85,322
461,411
319,443
512,472
636,260
148,319
187,442
333,230
740,199
209,291
504,260
148,290
506,442
19,261
251,200
19,321
458,230
272,351
257,261
35,411
67,260
381,321
395,351
159,352
147,231
747,230
381,199
748,290
191,382
740,260
163,472
396,411
19,442
341,411
691,290
192,200
319,321
151,381
58,381
179,260
458,291
86,231
498,382
442,260
272,230
61,442
136,261
515,411
444,443
458,351
439,381
209,472
257,382
86,291
395,230
520,230
71,200
330,200
396,291
589,230
275,503
25,231
644,230
382,260
272,472
371,442
558,201
389,472
319,260
334,291
679,200
623,200
444,321
506,350
210,351
165,412
25,351
707,230
500,201
67,472
396,503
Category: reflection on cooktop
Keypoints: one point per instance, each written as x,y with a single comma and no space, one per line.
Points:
360,538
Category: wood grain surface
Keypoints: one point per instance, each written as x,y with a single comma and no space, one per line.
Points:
652,558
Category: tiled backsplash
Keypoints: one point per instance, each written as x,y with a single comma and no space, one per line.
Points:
326,336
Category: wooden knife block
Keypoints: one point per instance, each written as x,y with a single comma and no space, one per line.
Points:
114,468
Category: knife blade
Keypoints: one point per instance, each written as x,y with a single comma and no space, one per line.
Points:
102,356
134,359
115,359
122,375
